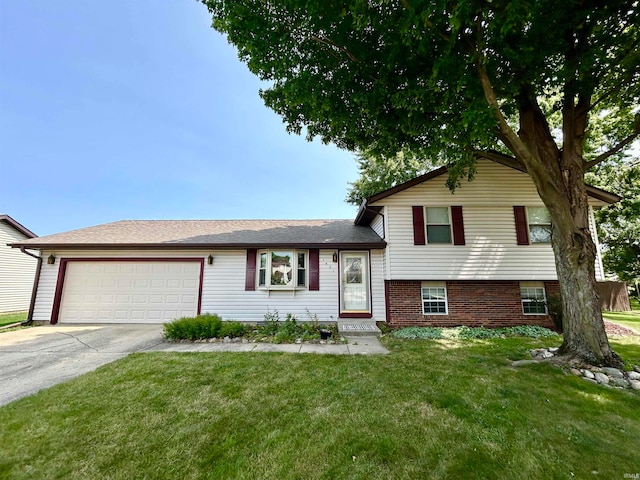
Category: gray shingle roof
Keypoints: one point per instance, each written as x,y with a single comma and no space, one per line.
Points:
213,233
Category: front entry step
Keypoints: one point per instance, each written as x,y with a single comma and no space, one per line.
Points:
358,328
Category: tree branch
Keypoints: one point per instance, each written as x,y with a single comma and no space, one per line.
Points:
513,142
331,43
601,158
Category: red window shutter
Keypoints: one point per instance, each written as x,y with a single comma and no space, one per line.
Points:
314,269
418,226
458,226
250,279
522,229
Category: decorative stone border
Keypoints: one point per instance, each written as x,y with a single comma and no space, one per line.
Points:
608,376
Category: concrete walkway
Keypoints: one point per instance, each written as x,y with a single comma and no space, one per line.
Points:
357,345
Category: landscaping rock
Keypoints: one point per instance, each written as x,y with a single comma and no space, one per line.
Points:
636,368
612,372
226,340
554,349
635,384
619,382
633,375
577,372
601,378
588,374
589,380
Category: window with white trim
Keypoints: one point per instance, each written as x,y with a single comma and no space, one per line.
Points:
434,298
539,224
284,269
533,298
438,224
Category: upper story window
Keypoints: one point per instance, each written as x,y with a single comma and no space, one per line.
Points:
539,224
438,225
285,269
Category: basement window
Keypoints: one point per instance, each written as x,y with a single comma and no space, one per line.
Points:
434,298
533,298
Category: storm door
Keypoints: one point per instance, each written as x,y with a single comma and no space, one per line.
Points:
354,282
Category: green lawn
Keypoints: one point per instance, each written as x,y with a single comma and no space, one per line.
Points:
429,409
9,318
628,319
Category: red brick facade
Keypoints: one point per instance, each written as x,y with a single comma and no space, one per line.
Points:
471,303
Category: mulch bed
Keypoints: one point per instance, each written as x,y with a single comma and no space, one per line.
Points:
615,329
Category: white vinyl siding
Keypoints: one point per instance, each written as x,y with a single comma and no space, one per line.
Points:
17,272
491,251
594,234
223,286
377,224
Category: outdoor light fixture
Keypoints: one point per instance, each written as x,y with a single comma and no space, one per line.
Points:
335,257
51,260
210,259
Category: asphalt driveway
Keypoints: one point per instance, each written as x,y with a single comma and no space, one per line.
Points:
35,358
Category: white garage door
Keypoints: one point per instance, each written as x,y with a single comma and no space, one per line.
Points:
129,292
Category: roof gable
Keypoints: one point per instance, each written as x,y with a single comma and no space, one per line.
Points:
17,226
367,212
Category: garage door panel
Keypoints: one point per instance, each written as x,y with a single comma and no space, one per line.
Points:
129,291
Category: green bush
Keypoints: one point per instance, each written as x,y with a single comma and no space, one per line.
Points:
554,305
193,328
232,329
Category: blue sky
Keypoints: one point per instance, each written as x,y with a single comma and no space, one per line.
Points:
138,109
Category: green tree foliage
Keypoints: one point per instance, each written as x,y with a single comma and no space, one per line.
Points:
378,173
619,224
454,80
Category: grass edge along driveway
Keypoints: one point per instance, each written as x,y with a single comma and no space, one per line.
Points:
430,409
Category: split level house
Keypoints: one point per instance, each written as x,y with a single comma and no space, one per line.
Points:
416,254
16,269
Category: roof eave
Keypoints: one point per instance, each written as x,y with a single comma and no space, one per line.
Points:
193,246
18,226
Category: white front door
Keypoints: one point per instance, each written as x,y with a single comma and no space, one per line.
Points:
354,282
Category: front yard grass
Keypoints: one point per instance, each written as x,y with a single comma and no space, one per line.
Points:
429,409
627,319
9,318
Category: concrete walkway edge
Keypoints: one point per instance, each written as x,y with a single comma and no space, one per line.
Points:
356,345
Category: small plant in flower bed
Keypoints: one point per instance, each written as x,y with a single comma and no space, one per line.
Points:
435,333
273,330
290,330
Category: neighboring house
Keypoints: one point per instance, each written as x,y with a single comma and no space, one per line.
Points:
415,255
16,269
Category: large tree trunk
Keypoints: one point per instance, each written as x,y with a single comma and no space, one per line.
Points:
584,334
559,178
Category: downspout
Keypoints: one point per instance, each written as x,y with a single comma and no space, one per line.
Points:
34,291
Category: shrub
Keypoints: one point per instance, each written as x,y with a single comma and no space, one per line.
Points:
193,328
554,305
232,329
